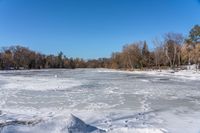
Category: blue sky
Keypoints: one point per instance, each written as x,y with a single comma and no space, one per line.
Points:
92,28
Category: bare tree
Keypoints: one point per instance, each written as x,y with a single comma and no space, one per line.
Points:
133,55
172,46
158,52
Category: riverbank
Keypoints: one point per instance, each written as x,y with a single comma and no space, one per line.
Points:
184,74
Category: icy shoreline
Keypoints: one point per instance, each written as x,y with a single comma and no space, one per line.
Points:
185,74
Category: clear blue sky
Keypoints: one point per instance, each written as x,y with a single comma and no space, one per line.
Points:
92,28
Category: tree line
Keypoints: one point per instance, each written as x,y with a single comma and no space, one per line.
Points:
19,57
172,50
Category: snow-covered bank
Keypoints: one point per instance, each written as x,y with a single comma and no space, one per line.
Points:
184,74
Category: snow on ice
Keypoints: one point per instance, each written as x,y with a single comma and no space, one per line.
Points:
98,101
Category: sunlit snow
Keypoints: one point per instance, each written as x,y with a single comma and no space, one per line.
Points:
99,101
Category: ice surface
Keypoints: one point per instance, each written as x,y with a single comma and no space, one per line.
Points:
100,100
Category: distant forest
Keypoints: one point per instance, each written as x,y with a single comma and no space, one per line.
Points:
171,51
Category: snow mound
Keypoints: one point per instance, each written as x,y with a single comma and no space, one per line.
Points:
76,125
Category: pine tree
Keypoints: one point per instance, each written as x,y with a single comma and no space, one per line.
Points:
145,55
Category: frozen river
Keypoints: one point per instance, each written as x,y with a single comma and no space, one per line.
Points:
54,101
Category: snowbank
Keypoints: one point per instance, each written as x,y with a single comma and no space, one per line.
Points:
184,74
